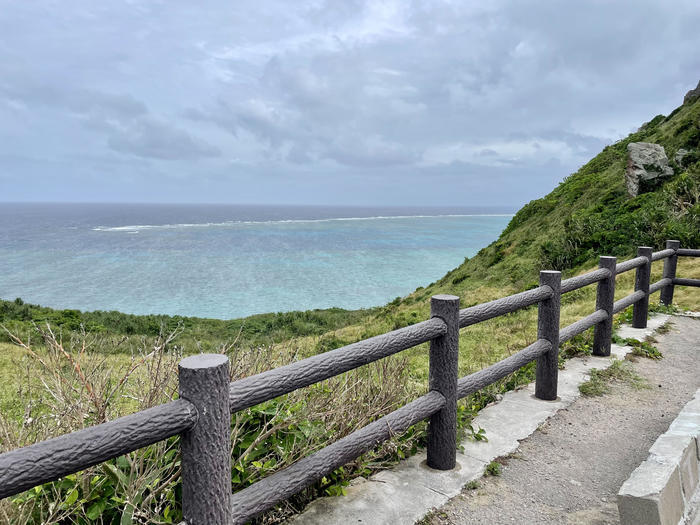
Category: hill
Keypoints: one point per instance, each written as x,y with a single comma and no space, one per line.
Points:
591,213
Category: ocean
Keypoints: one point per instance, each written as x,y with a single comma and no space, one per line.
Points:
229,261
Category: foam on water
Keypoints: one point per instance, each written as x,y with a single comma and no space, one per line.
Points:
135,227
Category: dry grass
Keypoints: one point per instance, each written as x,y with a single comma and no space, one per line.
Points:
66,385
53,386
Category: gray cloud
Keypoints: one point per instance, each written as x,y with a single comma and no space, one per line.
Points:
333,101
76,100
125,122
153,139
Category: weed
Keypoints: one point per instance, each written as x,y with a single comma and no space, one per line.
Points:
664,328
431,517
641,348
645,349
579,346
472,485
619,371
626,315
493,469
478,435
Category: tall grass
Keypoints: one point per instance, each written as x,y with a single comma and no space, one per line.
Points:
67,381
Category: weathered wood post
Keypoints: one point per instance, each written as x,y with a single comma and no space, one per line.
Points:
670,273
605,298
641,283
444,358
547,373
206,447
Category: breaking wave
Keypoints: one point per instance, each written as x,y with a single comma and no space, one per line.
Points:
139,227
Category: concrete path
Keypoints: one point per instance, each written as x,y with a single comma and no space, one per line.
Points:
570,470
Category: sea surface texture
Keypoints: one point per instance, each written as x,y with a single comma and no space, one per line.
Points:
227,261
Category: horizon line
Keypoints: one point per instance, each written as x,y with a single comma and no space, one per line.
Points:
351,205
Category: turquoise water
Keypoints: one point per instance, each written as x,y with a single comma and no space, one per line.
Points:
230,261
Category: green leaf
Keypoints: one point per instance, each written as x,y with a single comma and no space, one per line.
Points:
71,498
115,474
127,515
95,510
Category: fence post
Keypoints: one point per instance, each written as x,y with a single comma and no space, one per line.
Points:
605,298
548,328
641,282
670,273
206,447
444,358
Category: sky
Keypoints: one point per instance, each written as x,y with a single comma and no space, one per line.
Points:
328,102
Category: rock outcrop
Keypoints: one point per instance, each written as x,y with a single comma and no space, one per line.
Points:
680,154
647,165
692,94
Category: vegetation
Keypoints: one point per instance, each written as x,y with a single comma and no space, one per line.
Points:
205,334
66,384
493,469
644,349
90,367
618,371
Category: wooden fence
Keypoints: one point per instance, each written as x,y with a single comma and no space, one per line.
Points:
202,414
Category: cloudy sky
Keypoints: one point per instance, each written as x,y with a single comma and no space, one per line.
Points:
335,102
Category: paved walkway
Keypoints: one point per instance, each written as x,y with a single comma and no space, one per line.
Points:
570,469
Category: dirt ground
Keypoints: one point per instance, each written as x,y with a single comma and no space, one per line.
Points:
570,470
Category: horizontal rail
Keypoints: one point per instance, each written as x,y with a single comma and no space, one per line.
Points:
511,303
628,301
256,389
663,254
630,264
688,252
657,256
49,460
574,283
478,380
660,284
281,485
687,282
582,325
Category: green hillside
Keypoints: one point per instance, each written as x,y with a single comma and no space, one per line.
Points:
590,213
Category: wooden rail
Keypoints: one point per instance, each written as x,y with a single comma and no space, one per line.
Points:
202,415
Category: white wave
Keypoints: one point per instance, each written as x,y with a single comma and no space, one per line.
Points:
138,227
